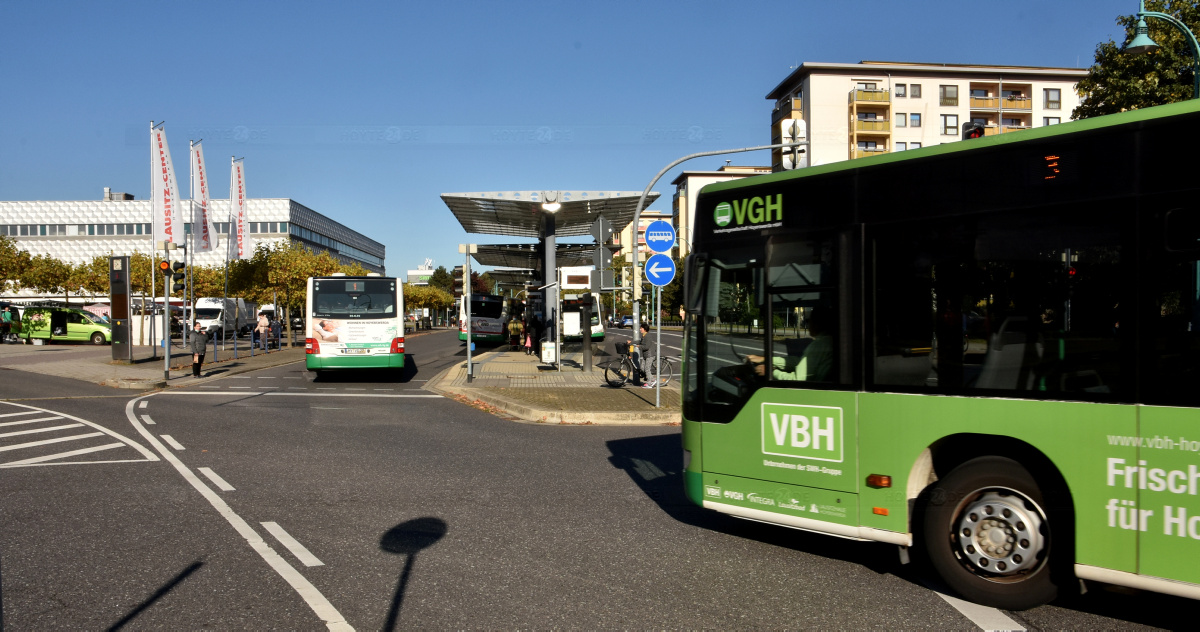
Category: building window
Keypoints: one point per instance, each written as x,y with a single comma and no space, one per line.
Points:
901,146
950,124
866,116
914,145
979,93
901,90
915,90
1012,122
120,229
253,227
948,95
283,227
914,120
1051,120
901,119
866,86
1053,98
862,144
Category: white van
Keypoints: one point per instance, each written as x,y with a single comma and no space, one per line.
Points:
229,315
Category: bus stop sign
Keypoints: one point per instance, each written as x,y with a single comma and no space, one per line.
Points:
660,237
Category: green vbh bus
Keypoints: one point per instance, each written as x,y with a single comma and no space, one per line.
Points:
986,351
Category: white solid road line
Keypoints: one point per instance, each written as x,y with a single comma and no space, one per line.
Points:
37,430
283,394
147,419
49,441
28,421
63,455
217,480
173,443
306,558
143,404
984,617
26,412
309,593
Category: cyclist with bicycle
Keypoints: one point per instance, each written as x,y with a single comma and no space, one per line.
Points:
639,372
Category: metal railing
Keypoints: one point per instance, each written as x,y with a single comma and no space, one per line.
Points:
875,96
873,125
1018,103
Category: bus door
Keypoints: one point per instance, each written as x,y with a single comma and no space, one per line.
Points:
1159,495
770,342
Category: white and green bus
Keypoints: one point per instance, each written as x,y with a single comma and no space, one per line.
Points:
354,323
987,351
489,318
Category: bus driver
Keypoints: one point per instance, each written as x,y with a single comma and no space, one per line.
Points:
815,363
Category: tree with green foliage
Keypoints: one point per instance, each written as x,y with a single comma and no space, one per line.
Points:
13,261
442,279
1121,81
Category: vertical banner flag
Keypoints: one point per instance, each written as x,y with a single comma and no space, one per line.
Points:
239,233
205,233
165,192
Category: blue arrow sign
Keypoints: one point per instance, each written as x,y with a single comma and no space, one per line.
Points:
660,236
660,270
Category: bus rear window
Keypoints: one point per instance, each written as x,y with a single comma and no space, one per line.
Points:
354,298
485,308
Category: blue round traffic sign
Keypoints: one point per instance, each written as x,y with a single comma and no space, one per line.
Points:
660,270
660,236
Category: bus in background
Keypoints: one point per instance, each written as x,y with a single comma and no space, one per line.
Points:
354,323
489,318
572,307
999,368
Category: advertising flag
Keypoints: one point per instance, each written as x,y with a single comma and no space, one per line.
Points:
164,190
203,229
239,232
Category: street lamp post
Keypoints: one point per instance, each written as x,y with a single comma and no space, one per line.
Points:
637,215
1141,42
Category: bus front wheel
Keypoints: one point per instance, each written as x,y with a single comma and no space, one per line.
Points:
988,536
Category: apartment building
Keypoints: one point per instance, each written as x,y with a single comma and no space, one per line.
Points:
873,107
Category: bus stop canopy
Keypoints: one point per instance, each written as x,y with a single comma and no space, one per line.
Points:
529,255
521,213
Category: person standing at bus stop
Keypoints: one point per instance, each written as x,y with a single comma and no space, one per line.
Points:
199,342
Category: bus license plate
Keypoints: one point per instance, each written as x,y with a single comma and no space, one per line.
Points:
355,351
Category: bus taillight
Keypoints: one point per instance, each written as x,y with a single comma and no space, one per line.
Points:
311,346
398,345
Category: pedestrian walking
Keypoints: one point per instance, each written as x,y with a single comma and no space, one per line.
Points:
199,344
263,330
6,321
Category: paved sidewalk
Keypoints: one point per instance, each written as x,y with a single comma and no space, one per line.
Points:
93,363
523,387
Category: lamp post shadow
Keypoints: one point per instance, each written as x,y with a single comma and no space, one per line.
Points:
406,539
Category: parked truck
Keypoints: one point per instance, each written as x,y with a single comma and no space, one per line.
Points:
217,315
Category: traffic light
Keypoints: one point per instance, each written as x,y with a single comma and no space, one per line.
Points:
458,281
972,129
177,276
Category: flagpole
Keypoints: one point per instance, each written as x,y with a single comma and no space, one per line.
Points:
190,240
153,249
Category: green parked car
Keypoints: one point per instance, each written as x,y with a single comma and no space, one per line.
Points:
65,323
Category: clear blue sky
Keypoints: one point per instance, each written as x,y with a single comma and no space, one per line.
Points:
368,111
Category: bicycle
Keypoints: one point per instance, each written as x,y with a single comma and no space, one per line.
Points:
659,370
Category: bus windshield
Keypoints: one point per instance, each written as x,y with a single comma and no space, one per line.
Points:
354,298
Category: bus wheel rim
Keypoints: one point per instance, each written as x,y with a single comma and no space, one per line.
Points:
1000,535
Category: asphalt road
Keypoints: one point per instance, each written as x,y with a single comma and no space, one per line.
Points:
270,500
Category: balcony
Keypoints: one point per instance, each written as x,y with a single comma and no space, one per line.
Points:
870,96
1006,129
991,130
786,108
985,103
873,125
1018,103
859,152
948,101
